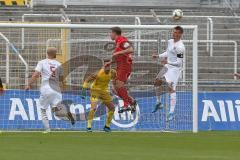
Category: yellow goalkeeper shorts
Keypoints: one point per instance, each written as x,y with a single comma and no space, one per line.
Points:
100,95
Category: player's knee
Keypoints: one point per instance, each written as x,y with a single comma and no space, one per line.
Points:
110,106
171,90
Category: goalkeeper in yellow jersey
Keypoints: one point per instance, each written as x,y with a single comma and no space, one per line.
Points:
98,83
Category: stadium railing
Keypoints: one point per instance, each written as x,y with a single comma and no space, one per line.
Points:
209,30
15,51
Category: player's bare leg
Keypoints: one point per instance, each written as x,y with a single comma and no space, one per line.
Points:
159,90
160,85
110,114
91,115
62,112
123,93
163,87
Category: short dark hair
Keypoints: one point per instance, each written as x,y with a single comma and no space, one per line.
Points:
116,30
179,28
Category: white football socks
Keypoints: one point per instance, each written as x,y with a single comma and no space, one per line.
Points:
158,94
45,119
173,100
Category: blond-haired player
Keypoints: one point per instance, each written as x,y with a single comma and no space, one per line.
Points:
98,83
51,74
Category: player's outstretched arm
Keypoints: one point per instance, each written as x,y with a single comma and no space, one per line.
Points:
34,77
156,55
87,85
162,55
127,49
107,64
89,79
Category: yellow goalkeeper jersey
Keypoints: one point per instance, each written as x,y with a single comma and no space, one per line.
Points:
102,80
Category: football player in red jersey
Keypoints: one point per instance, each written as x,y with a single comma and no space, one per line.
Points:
122,56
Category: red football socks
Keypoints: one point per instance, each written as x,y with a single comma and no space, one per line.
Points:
123,93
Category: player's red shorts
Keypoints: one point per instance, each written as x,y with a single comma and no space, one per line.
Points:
123,74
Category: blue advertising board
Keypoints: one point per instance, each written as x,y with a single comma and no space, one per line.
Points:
216,111
219,111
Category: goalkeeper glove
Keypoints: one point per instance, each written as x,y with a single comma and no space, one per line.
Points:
85,85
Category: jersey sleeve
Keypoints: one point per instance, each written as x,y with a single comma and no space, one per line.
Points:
180,52
39,67
163,55
125,44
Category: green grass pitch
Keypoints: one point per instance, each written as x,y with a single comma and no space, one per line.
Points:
120,146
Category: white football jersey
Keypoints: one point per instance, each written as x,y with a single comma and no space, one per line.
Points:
50,70
174,53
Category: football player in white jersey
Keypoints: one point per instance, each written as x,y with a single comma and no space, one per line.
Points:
51,75
172,59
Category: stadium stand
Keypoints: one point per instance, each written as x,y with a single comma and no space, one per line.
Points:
216,70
